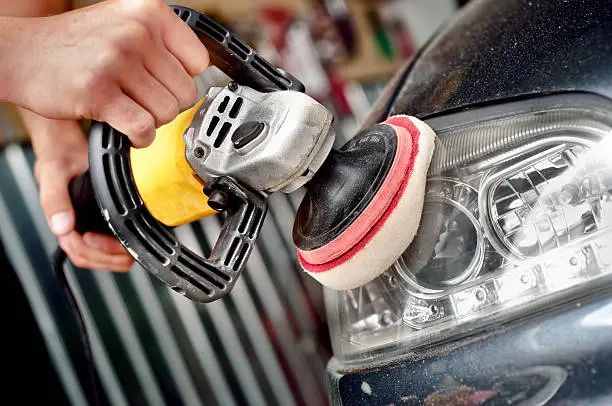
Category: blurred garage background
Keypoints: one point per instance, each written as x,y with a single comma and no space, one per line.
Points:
267,343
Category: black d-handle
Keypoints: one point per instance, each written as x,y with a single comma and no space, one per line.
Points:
235,58
151,243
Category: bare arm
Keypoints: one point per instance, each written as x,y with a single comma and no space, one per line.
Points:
27,8
60,147
127,62
9,30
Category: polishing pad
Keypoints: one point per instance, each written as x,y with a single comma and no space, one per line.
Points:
363,207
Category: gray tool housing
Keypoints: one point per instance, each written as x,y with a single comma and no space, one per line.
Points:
266,141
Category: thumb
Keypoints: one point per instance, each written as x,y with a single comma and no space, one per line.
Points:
55,201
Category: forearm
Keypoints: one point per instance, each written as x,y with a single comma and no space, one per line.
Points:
10,28
24,8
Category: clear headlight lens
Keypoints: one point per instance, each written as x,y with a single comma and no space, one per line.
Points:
517,218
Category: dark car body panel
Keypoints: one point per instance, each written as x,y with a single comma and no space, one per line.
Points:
493,52
563,357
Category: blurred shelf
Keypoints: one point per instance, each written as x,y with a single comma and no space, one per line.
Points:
358,70
237,8
367,65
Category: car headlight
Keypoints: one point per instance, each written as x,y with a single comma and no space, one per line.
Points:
517,218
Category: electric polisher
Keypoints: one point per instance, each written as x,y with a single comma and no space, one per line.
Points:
257,135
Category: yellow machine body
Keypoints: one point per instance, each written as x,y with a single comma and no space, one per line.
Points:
167,184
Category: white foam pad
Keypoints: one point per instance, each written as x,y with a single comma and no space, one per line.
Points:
398,230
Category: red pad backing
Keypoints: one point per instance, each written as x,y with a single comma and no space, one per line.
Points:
406,130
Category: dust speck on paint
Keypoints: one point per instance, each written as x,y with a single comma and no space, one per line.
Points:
366,388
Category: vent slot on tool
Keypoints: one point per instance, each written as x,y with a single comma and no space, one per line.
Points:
108,171
223,104
239,48
247,217
225,128
184,275
241,257
236,108
106,134
213,124
231,251
144,241
198,260
193,267
131,187
214,30
183,15
155,235
117,142
123,166
256,217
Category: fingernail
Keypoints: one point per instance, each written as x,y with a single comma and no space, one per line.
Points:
61,222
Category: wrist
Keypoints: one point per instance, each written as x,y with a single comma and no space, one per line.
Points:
51,136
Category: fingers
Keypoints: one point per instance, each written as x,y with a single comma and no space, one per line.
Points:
61,152
171,74
174,53
150,94
142,73
178,38
55,200
129,117
184,44
105,243
151,56
144,101
84,255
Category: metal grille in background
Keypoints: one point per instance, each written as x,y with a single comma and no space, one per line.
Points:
265,344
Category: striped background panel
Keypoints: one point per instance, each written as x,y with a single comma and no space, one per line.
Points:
267,343
11,127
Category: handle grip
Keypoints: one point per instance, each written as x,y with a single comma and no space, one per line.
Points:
235,58
87,213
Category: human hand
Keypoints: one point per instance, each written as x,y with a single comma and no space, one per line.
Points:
61,152
129,63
